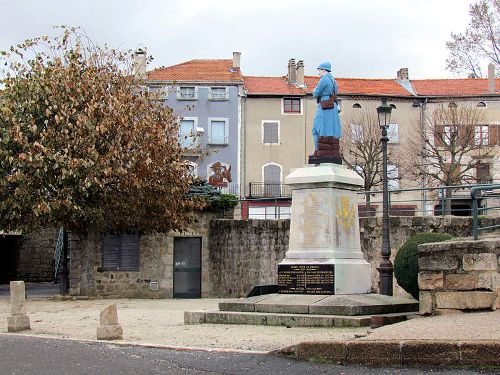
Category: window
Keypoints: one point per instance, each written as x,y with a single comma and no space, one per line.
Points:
269,212
450,134
452,105
192,169
393,106
291,105
483,173
270,132
218,93
120,252
356,105
187,133
218,133
392,177
357,132
393,133
481,135
187,93
481,104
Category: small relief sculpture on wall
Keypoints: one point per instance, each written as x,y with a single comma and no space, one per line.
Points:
220,175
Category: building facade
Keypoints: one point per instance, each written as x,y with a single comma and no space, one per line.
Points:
206,95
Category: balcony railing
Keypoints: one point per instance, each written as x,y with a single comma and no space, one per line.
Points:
263,190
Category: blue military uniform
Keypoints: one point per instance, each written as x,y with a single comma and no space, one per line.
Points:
326,121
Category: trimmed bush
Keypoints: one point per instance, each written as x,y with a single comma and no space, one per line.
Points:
406,263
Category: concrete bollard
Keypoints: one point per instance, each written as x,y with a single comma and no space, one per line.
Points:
109,328
18,321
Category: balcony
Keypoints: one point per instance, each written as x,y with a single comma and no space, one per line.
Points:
263,190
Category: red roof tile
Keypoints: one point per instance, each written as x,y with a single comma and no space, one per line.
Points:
198,70
452,87
271,85
279,86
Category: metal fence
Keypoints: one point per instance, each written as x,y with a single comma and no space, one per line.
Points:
485,202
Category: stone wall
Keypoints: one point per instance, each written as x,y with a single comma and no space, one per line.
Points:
156,265
459,275
35,257
244,253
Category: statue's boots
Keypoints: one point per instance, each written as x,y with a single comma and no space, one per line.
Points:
328,151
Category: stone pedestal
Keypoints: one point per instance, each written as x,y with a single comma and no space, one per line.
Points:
109,328
324,230
19,321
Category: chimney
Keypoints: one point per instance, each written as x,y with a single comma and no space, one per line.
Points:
236,60
140,63
403,74
292,74
491,78
300,73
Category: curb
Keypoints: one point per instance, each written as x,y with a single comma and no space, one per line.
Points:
418,353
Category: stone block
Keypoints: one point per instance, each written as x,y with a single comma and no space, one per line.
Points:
496,303
426,304
464,300
329,351
485,280
299,320
480,353
110,332
18,298
194,317
370,353
464,281
430,353
480,262
428,280
438,263
18,323
109,316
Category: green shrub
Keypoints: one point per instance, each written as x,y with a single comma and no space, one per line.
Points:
215,199
406,263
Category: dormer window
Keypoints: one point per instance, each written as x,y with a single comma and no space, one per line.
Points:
481,104
356,105
218,93
187,93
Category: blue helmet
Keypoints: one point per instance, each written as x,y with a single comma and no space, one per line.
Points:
326,66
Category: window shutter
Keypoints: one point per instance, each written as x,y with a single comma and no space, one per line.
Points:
111,252
438,135
270,132
493,135
272,174
130,252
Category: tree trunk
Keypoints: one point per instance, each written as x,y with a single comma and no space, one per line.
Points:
447,202
87,283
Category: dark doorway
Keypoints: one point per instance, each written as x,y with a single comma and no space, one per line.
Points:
187,267
9,249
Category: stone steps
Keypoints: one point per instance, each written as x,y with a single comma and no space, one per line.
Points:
288,320
350,305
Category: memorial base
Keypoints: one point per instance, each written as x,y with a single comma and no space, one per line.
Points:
328,276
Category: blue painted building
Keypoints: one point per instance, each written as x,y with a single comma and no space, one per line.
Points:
206,95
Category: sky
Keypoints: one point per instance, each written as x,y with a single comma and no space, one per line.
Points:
361,38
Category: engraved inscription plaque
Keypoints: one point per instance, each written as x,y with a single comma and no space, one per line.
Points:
306,278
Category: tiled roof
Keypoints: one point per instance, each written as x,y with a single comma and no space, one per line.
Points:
271,85
279,85
452,87
198,70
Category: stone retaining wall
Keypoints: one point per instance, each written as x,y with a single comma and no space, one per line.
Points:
243,253
459,275
35,257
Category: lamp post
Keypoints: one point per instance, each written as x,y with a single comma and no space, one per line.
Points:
385,269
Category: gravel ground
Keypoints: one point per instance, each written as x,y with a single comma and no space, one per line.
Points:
161,322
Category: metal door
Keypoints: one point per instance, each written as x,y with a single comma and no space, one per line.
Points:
187,267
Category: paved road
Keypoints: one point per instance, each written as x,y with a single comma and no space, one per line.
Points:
34,355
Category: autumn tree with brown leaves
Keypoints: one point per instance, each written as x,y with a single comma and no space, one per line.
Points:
84,148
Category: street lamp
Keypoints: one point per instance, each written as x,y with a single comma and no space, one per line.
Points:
385,269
